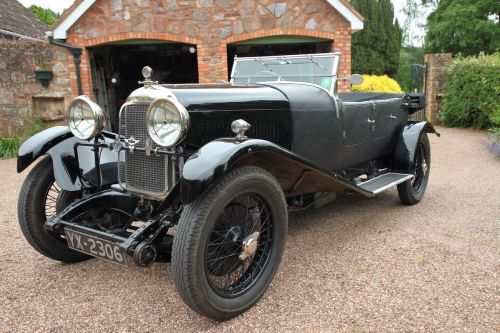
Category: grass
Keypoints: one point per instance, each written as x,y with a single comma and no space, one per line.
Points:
9,147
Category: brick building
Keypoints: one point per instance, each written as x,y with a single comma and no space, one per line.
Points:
187,41
24,51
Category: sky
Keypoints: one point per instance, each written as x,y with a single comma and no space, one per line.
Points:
59,5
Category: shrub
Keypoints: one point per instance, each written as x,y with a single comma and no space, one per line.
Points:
473,90
374,83
9,147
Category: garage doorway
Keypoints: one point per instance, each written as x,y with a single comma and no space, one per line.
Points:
276,45
116,69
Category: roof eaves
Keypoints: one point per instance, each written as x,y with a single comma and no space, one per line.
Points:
349,13
69,17
21,36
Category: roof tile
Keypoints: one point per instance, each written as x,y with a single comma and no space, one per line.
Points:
14,17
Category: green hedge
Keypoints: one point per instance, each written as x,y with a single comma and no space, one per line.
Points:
473,92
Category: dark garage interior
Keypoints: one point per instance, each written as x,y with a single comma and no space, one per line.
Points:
116,69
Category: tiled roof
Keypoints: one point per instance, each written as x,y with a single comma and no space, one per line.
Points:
16,19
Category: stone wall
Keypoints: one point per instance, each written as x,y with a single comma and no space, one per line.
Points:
435,83
22,97
211,25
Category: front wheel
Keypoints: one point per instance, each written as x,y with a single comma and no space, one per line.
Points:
412,191
39,199
229,243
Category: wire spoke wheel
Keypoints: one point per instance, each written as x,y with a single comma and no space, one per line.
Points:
420,168
229,243
41,198
239,245
51,200
412,191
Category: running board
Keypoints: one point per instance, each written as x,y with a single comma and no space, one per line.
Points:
383,182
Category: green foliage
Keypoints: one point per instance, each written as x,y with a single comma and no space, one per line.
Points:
394,35
409,56
374,83
473,90
33,126
464,26
44,14
375,49
9,147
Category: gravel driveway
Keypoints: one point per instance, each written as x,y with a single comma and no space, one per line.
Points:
357,265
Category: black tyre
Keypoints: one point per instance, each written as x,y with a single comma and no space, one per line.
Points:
412,191
41,198
229,243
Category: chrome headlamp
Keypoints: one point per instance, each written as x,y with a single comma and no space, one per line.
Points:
167,122
85,118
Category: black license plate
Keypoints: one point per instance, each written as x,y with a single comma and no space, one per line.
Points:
95,246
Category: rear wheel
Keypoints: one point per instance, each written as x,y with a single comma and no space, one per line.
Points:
412,191
41,198
229,243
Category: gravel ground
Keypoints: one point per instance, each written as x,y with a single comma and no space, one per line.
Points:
356,265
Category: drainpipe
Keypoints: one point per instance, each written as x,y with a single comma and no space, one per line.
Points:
76,52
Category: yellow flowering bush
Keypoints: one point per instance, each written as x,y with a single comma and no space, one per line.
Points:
374,83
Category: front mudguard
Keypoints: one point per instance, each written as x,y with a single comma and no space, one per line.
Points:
59,143
39,144
403,154
294,172
210,163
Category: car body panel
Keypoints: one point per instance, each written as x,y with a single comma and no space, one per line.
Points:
301,117
212,109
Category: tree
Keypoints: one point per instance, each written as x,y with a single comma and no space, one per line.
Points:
410,55
45,15
375,49
464,26
393,41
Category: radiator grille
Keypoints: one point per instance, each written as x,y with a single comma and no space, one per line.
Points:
140,173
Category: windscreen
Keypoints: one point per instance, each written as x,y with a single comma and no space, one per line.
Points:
320,69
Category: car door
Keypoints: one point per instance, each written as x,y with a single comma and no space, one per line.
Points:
356,123
385,117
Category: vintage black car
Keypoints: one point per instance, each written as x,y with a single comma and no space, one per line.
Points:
175,182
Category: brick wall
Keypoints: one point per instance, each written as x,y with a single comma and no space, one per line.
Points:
435,83
211,25
22,97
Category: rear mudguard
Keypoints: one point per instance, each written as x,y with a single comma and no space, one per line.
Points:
406,144
296,174
59,142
